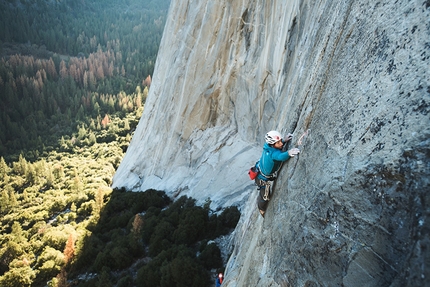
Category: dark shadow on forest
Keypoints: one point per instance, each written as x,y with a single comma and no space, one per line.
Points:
145,239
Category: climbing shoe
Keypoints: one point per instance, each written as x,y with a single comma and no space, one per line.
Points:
262,212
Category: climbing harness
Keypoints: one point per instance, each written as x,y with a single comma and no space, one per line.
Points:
271,177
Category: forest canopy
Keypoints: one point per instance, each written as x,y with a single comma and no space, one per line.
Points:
64,60
74,76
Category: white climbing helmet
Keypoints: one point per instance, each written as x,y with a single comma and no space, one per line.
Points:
273,137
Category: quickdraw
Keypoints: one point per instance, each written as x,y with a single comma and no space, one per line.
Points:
267,190
267,186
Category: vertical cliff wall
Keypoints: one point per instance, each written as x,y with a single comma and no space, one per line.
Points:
353,208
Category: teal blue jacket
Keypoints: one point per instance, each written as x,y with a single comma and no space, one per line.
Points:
271,161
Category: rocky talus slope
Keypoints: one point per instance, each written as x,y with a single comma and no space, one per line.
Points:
353,208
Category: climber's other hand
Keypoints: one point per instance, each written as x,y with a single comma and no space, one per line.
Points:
288,137
292,152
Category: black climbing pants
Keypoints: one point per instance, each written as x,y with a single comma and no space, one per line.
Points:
262,198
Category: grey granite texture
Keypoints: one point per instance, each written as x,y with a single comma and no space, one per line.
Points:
353,208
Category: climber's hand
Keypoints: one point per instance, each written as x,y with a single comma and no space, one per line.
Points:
292,152
288,137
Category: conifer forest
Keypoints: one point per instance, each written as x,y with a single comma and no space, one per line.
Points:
74,76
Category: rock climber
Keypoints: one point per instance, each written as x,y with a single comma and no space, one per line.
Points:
274,154
219,279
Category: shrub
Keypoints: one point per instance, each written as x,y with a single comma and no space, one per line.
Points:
230,216
89,249
58,205
103,259
21,276
227,220
86,208
104,279
47,270
160,239
125,282
55,238
178,273
211,257
149,275
51,254
121,256
8,253
149,224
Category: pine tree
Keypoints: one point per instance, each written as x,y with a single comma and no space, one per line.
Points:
92,138
69,249
51,71
92,126
62,279
126,125
148,81
63,70
20,167
30,174
82,132
99,201
4,201
49,178
77,184
58,172
137,224
73,207
17,233
105,122
96,109
12,197
145,93
111,104
4,169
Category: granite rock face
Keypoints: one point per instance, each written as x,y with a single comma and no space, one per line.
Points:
353,76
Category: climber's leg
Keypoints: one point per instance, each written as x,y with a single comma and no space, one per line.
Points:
263,196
